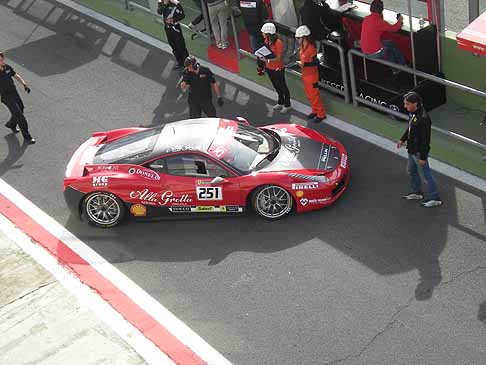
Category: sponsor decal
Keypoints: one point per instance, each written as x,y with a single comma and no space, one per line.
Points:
299,194
165,198
324,155
150,175
100,181
207,208
344,160
305,201
209,193
203,182
107,168
293,145
138,210
306,186
183,209
184,147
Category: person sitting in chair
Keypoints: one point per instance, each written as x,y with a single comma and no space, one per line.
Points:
372,31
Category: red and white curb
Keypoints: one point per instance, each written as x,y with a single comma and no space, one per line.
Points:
152,330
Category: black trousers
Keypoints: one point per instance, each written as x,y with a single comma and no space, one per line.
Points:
16,107
277,79
197,107
177,43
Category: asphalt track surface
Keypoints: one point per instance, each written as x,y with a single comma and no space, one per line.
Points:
371,280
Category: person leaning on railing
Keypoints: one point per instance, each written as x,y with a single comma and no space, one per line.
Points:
372,30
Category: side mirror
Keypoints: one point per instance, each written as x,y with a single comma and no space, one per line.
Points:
217,180
242,120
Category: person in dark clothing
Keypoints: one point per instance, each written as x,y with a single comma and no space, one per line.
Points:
254,13
172,13
319,19
199,80
11,98
417,137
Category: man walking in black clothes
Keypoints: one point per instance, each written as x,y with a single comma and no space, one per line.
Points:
172,13
11,98
199,80
417,137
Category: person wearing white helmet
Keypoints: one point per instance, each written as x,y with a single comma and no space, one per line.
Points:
275,67
310,73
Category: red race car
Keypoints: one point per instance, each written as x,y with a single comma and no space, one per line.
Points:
204,166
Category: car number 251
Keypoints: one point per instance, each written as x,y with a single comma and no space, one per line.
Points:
209,193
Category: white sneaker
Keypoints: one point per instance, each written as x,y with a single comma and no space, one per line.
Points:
285,109
413,196
277,107
219,45
431,203
224,45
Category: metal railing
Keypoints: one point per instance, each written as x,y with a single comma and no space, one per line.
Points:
357,99
342,60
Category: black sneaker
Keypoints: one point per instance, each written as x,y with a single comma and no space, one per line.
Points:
431,203
413,196
311,116
30,141
13,129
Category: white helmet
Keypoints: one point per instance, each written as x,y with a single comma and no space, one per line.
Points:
302,31
269,28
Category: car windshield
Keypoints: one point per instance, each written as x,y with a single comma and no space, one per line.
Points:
129,148
242,146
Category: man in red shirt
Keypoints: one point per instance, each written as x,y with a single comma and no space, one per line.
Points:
372,30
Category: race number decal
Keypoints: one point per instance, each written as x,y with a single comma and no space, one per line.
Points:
209,193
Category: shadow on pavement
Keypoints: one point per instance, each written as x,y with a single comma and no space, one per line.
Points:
15,151
369,223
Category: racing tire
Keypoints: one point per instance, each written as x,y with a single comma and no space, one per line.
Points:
103,209
271,202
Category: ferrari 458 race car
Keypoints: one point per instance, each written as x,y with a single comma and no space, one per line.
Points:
204,166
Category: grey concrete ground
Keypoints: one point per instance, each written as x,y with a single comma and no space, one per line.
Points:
43,324
371,280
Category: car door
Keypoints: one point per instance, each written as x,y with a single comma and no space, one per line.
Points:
190,185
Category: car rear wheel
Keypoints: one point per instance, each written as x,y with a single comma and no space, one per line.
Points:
103,209
272,202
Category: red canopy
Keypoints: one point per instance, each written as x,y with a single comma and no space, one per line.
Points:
473,38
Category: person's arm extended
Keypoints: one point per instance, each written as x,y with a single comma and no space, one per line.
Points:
387,27
22,81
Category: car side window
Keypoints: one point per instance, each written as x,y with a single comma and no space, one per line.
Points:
194,165
157,165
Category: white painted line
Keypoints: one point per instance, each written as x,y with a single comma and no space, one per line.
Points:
152,307
145,348
361,133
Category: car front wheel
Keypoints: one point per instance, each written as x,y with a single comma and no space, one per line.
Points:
272,202
103,209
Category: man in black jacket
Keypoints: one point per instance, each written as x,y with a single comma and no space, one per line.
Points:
172,13
319,19
255,14
417,137
12,100
200,80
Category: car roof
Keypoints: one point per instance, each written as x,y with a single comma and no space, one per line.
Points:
187,135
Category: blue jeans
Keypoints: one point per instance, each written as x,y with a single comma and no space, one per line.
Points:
390,52
417,174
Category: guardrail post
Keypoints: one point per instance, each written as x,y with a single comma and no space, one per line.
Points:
352,78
